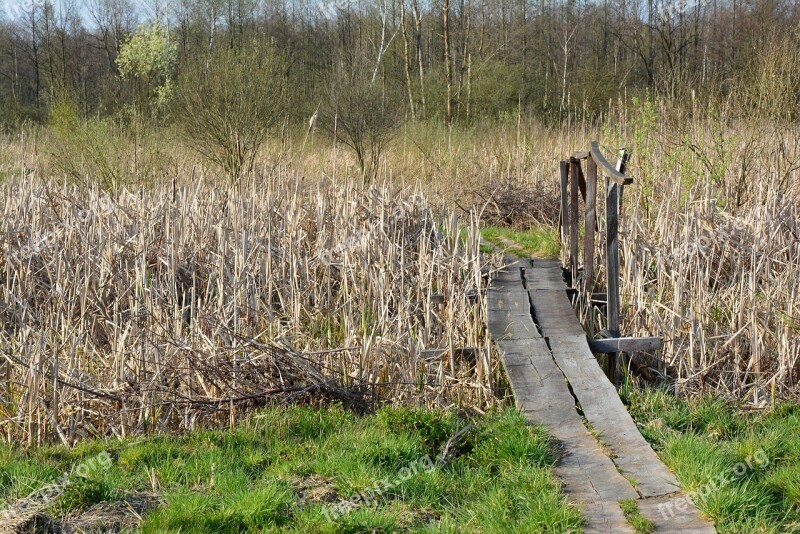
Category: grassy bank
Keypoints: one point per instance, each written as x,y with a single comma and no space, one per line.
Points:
301,469
742,466
293,470
532,243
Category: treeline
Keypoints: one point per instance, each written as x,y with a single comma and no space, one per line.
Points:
447,60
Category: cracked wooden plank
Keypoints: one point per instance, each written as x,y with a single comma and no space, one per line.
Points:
615,427
541,392
675,513
554,313
539,376
605,518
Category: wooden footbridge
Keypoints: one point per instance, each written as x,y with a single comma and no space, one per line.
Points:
556,379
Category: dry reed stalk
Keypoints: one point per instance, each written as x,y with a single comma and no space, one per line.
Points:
135,313
711,257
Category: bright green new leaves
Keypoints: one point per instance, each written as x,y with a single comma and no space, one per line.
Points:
148,60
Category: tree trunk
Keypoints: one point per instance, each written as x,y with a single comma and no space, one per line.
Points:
35,47
448,60
406,57
420,59
465,58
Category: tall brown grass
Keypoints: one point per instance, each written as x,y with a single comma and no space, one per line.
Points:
185,300
163,308
711,254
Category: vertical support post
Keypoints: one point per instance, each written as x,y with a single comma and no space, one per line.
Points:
574,172
564,211
619,359
590,218
612,270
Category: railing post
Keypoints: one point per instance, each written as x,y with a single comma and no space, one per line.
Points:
574,178
564,210
612,270
622,164
590,218
619,358
613,201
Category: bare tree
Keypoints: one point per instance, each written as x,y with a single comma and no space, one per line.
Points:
229,103
361,114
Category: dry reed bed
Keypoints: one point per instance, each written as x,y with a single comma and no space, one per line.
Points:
711,255
162,309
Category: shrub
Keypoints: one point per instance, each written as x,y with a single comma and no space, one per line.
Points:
362,114
99,150
229,103
148,59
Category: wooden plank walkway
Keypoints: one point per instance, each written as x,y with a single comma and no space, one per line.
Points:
558,384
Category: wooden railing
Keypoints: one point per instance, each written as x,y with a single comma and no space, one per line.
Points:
576,183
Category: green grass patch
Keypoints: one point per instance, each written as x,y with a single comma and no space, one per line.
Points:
741,467
291,469
533,243
640,523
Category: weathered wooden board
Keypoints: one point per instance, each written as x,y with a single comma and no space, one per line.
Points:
604,410
546,264
548,376
675,513
605,518
600,481
512,261
554,313
538,384
507,276
508,301
625,344
541,392
512,327
544,278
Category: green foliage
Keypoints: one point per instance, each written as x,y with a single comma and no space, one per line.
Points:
229,102
502,441
640,523
497,89
64,117
284,468
433,428
534,243
100,150
645,142
149,59
149,53
242,509
83,492
87,151
740,466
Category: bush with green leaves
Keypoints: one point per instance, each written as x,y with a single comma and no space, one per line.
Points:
148,60
101,151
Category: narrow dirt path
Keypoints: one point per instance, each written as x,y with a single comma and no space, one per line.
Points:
558,384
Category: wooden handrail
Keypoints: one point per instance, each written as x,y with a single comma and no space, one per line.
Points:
573,181
597,155
610,170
